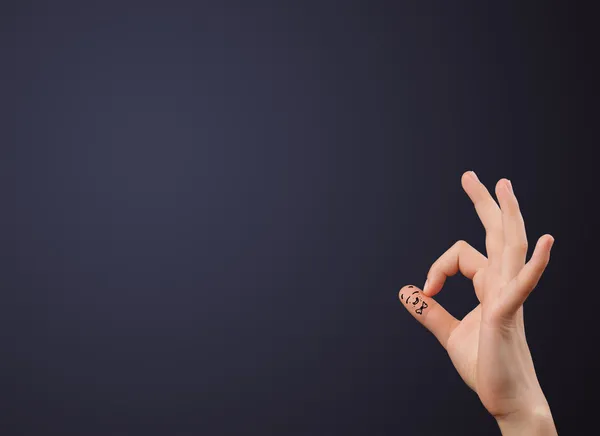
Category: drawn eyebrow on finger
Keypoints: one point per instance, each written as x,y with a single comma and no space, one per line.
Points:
416,292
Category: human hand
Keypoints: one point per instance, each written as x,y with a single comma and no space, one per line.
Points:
488,346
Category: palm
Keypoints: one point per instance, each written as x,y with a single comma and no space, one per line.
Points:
463,341
462,346
488,346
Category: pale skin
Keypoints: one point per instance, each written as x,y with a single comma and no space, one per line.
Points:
488,346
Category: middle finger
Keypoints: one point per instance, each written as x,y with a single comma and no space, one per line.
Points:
490,215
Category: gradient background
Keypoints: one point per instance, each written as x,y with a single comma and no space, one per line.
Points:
208,209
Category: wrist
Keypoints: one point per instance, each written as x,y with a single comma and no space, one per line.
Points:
535,421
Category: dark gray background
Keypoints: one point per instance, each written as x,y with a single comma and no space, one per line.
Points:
208,209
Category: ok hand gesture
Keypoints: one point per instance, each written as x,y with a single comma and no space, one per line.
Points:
488,346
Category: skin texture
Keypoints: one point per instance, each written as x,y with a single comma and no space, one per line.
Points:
488,346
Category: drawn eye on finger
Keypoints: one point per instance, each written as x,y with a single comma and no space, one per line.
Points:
415,298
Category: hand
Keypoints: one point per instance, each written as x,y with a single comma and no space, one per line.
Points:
488,346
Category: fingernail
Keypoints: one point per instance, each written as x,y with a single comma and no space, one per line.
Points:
474,175
510,186
425,286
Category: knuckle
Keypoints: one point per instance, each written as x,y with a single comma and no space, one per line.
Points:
461,243
520,246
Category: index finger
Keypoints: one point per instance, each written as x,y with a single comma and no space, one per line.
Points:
460,257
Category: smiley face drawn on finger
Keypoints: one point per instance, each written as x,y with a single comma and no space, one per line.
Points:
416,301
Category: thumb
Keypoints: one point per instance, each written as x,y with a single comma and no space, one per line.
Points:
428,312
